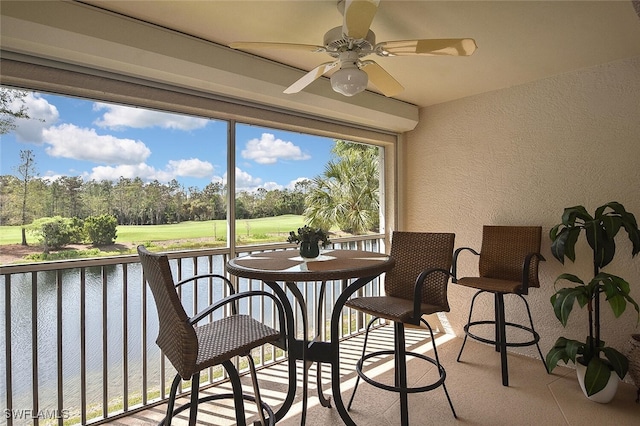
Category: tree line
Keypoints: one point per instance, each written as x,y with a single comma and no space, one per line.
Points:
135,202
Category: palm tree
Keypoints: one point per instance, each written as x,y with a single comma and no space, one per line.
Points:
347,194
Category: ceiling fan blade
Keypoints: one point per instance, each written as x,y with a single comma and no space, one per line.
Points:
380,78
432,47
358,15
310,77
248,45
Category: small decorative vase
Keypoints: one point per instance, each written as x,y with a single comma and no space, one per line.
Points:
309,250
606,394
634,361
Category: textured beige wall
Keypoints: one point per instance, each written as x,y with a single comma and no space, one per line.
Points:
519,156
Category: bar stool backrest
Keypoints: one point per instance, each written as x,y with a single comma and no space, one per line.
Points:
504,249
413,252
176,336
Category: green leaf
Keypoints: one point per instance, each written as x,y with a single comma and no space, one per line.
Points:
614,294
572,213
561,342
558,244
554,356
620,283
631,226
637,308
615,206
573,349
569,277
595,237
610,224
618,304
563,304
564,300
607,251
564,350
565,235
597,376
557,353
617,292
570,243
618,361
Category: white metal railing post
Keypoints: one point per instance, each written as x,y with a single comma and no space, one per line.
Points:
7,349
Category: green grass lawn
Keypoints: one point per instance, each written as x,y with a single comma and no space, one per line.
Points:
10,235
246,229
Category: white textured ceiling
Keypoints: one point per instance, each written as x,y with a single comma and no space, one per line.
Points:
518,41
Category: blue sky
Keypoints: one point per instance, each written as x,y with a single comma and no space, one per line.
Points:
76,137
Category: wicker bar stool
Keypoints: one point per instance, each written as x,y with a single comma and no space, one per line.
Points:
191,348
508,264
416,286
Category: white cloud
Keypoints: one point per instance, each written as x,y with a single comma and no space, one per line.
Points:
219,179
42,115
51,176
271,186
70,141
244,181
268,150
175,168
292,185
191,167
130,171
120,116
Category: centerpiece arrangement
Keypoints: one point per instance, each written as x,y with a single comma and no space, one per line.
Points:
598,366
309,239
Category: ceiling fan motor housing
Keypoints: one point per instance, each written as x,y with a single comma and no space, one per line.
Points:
336,42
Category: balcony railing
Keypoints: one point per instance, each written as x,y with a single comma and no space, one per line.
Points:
80,334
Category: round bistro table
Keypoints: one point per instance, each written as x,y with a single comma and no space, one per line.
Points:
288,268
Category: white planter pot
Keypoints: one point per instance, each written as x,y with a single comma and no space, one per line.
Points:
606,394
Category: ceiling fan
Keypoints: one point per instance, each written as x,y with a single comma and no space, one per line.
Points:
352,41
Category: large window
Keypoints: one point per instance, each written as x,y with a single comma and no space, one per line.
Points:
164,177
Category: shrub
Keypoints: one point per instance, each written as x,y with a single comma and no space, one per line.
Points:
101,230
77,230
52,232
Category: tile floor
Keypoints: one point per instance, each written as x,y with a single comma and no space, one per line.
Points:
532,398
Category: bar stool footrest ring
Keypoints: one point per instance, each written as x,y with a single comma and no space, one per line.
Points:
270,419
384,386
536,336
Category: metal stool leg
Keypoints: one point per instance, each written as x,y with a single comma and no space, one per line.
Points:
256,390
501,337
401,373
193,409
364,350
535,334
238,399
440,368
172,401
466,327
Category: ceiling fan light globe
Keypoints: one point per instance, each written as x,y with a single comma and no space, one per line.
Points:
349,81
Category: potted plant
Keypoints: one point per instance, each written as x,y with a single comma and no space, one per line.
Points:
600,231
309,239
